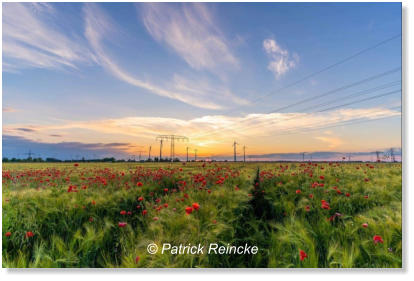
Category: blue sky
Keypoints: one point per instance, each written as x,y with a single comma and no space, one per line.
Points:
98,74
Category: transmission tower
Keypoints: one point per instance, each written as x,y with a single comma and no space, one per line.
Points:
244,153
378,156
160,150
172,139
303,156
235,153
349,157
187,153
392,154
149,153
140,151
195,155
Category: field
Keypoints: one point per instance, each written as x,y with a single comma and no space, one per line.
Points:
297,214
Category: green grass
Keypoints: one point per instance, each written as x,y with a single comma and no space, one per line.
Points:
239,203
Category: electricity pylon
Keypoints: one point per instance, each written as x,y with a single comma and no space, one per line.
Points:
160,150
195,155
149,153
378,156
244,153
187,153
303,156
234,145
140,151
172,139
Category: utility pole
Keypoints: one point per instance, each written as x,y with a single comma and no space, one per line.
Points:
140,151
160,150
172,139
244,153
149,153
234,145
303,156
392,154
378,156
187,153
195,155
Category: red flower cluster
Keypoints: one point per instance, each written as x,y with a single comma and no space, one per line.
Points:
325,205
302,255
377,239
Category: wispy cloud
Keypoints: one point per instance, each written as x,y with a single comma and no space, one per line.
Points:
9,109
99,27
280,59
215,128
31,39
192,32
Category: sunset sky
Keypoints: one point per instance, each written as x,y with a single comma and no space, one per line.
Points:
98,80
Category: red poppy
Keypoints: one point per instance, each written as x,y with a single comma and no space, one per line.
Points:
307,208
91,219
188,210
325,205
365,225
366,196
136,259
139,184
165,189
310,196
93,202
297,191
165,205
29,234
196,206
302,255
141,198
122,224
322,177
377,239
8,234
76,164
123,212
144,212
347,194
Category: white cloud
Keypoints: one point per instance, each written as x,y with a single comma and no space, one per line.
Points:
32,40
209,128
280,59
99,27
191,31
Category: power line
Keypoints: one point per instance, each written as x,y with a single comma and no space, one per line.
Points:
314,97
325,68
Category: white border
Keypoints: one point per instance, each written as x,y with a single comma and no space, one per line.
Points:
248,274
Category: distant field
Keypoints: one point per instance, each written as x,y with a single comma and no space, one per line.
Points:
297,214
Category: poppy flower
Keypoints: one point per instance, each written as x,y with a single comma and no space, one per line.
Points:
366,196
123,212
165,205
188,210
76,164
297,191
302,255
93,202
140,198
139,184
8,234
91,219
347,194
196,206
144,212
29,234
310,196
377,239
136,259
122,224
307,208
155,218
365,225
325,205
165,189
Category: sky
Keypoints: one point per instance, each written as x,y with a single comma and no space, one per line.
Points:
105,79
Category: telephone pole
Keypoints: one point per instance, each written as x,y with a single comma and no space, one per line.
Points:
172,139
234,145
392,154
160,150
378,156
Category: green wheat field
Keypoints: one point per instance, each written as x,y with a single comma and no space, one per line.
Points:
313,215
